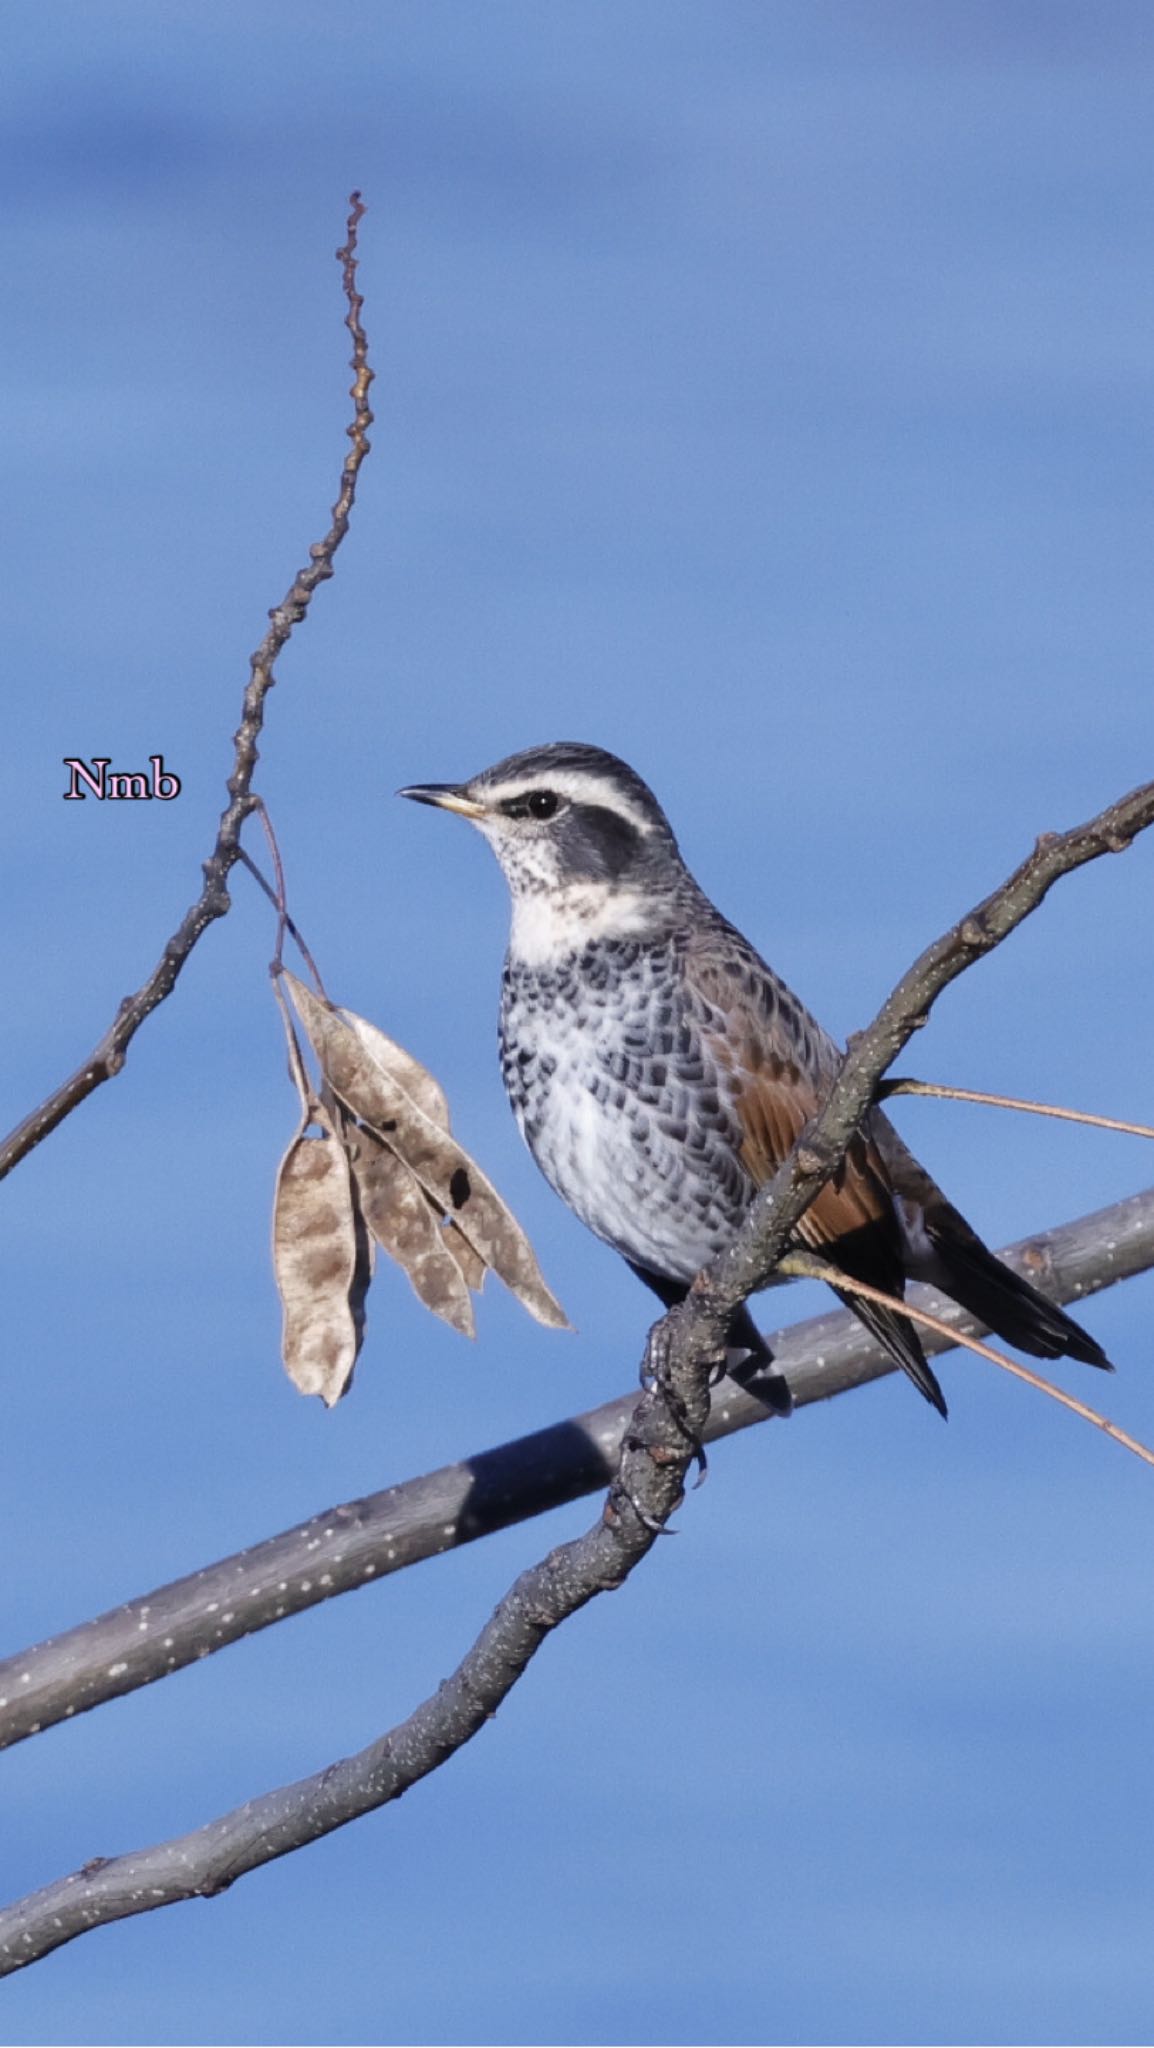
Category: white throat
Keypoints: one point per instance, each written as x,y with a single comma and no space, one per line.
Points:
549,923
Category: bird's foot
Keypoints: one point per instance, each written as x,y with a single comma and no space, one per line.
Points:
656,1358
657,1378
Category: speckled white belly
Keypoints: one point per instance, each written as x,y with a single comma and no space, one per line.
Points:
605,1150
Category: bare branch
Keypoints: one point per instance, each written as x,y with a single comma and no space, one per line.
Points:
360,1541
661,1438
108,1057
208,1860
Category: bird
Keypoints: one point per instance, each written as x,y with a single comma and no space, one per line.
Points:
660,1072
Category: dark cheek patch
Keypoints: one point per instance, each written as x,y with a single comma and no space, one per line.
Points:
597,843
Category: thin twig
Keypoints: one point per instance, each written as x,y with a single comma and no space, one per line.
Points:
804,1266
279,895
353,1545
246,860
901,1086
108,1057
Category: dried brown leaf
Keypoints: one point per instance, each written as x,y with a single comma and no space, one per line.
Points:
453,1179
319,1274
404,1223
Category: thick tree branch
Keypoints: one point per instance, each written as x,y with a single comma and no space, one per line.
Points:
207,1861
108,1057
360,1541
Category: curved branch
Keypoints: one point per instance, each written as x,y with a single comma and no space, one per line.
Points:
108,1057
360,1541
206,1862
1071,1261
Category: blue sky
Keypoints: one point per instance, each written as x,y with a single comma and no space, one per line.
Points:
763,392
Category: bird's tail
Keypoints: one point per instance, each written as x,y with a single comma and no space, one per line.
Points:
943,1249
749,1360
973,1276
978,1280
900,1338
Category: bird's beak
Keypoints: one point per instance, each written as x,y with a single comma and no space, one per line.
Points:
447,796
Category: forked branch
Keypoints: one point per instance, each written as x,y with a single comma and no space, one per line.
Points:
108,1057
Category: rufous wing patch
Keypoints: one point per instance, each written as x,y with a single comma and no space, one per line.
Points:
773,1099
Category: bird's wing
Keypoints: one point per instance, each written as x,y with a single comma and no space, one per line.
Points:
777,1065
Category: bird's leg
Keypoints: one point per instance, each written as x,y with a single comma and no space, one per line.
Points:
657,1354
657,1378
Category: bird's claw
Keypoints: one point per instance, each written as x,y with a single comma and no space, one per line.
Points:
651,1522
656,1378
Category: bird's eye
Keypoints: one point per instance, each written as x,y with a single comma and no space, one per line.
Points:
538,803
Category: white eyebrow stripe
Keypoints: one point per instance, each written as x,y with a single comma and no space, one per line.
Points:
582,788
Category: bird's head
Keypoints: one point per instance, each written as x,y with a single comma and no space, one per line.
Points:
586,847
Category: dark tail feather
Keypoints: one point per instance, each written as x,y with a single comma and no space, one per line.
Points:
1007,1304
901,1340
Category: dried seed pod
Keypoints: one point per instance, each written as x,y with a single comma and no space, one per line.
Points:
315,1255
366,1255
415,1079
494,1234
472,1265
428,1095
450,1176
404,1223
